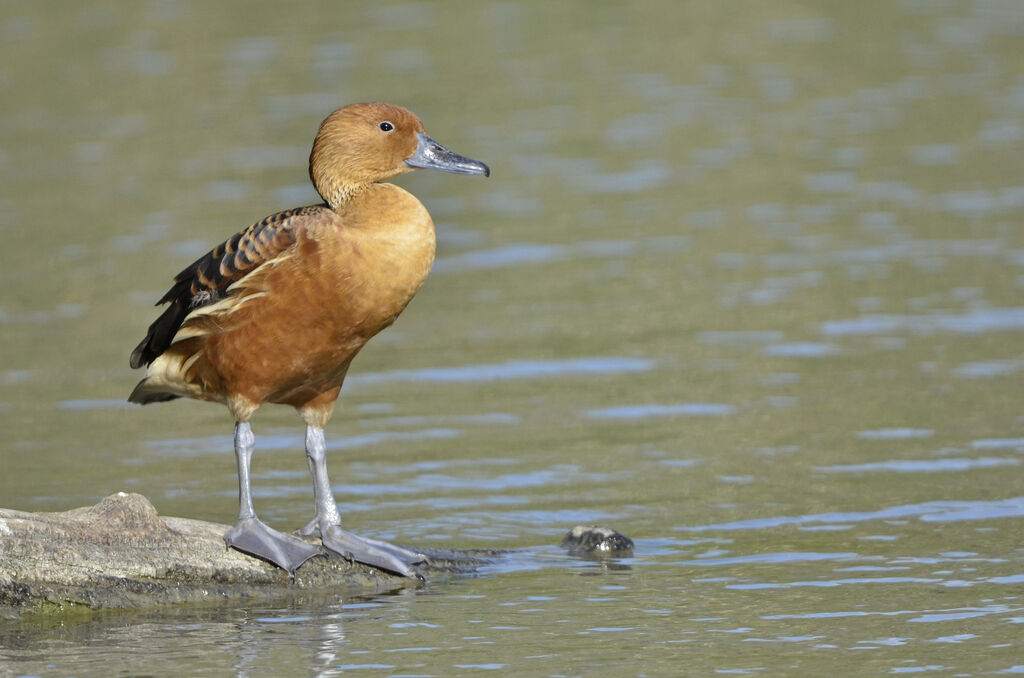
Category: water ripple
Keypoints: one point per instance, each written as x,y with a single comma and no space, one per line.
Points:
972,322
521,254
645,411
930,511
219,444
801,349
787,557
998,443
985,369
922,465
513,369
895,433
94,404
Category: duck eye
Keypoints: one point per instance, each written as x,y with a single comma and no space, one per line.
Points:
386,126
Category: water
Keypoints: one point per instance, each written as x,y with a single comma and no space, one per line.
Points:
747,286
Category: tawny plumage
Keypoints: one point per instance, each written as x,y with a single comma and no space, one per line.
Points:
277,312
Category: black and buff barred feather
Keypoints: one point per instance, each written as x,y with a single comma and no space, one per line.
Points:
206,280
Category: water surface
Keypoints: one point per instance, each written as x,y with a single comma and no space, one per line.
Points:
747,286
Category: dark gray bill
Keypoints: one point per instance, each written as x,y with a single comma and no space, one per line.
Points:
432,155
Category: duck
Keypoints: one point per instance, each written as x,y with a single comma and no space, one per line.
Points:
277,312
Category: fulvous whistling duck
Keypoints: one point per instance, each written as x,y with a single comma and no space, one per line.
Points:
277,312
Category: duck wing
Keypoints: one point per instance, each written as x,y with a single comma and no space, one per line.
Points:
207,279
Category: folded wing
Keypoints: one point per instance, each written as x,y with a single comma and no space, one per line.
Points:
207,280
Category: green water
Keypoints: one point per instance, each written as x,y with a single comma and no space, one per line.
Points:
745,284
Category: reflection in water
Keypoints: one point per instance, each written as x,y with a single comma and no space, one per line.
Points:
986,369
741,337
932,511
923,466
802,349
998,443
830,583
644,411
61,312
516,369
972,322
770,558
896,433
94,404
523,254
945,615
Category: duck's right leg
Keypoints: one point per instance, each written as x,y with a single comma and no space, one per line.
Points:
327,521
250,535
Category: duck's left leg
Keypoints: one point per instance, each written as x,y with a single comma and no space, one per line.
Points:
327,520
250,534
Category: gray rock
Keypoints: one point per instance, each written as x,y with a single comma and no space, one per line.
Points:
121,553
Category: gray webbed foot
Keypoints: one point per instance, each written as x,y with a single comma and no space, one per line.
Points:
252,536
373,552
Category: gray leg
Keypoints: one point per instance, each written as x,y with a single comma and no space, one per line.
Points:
250,535
327,520
245,443
323,496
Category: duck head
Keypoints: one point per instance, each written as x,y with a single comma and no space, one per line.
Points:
362,144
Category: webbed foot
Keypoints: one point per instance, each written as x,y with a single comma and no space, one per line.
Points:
373,552
255,538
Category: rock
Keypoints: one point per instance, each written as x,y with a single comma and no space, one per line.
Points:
589,540
121,553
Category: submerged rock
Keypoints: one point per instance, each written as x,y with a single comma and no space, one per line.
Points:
593,540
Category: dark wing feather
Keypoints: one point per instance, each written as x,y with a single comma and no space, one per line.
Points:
206,280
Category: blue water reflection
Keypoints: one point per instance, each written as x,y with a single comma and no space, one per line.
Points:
932,511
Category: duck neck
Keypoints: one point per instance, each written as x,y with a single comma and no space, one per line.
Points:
336,195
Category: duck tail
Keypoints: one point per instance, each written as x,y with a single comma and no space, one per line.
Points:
144,394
